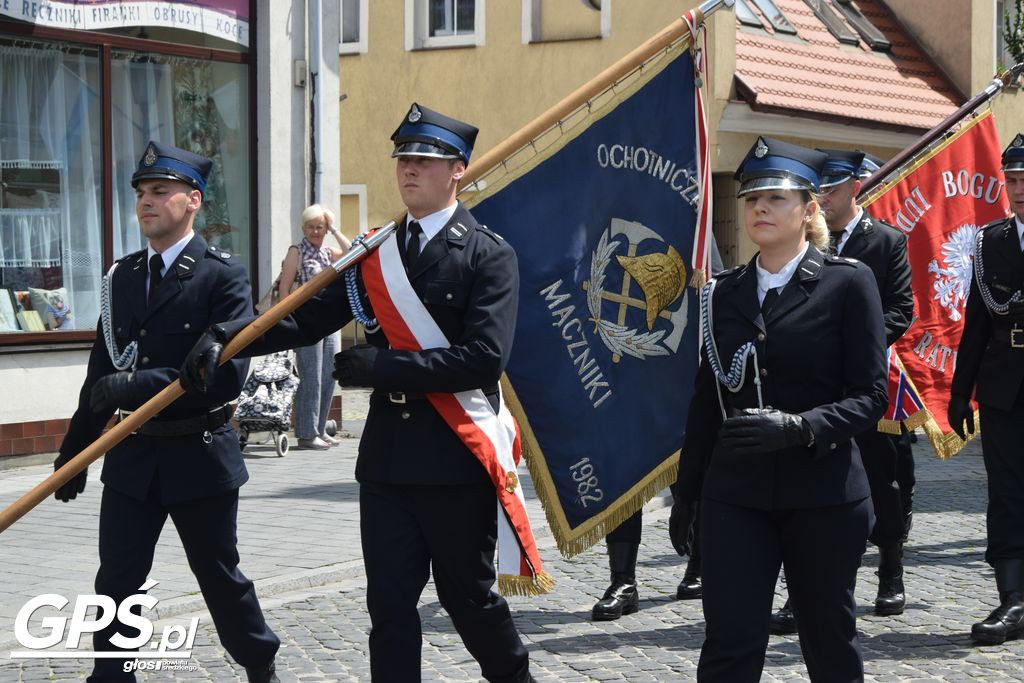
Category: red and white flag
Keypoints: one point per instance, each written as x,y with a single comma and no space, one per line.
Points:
940,201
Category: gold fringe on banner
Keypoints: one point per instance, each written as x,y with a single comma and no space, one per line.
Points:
573,541
510,584
944,445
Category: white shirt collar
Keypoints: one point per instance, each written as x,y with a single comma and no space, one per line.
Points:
766,280
1020,231
848,230
171,253
432,224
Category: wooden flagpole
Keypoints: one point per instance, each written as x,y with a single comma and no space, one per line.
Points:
360,248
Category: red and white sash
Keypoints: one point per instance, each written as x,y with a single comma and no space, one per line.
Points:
493,439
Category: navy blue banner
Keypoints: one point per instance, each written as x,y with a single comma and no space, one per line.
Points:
605,353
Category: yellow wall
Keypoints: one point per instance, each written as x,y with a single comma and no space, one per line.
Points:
498,87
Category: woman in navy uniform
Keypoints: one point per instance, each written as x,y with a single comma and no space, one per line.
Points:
426,503
793,368
991,360
185,463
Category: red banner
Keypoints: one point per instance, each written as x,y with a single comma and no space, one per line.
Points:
940,201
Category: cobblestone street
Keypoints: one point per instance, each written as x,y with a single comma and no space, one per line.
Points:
298,537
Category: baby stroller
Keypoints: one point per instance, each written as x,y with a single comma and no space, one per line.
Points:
265,404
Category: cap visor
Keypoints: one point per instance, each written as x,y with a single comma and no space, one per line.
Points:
773,183
422,149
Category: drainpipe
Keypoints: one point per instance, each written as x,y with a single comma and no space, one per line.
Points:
316,109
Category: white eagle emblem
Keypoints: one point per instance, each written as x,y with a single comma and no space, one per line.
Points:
953,283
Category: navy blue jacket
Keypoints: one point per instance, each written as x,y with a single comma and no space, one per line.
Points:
991,354
468,279
204,285
883,249
821,354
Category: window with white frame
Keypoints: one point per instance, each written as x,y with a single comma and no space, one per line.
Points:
547,20
354,26
443,23
1006,11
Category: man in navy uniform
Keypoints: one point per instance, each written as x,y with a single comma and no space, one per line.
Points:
426,503
990,365
184,463
855,233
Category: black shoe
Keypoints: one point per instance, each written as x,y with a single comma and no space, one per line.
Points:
619,599
262,674
691,587
1005,623
782,622
891,599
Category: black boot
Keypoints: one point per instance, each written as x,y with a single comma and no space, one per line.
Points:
891,599
691,588
621,597
262,674
782,622
1006,621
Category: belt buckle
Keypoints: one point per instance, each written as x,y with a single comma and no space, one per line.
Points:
1015,333
396,396
122,415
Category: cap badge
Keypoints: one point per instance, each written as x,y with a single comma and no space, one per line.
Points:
1018,141
761,150
414,114
150,156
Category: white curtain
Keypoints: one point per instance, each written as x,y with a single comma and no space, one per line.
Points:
49,121
143,110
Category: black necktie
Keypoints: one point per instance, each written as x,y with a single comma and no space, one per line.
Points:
833,241
769,300
155,264
412,249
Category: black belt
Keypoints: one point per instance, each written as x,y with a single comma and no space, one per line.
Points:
199,424
405,397
1013,337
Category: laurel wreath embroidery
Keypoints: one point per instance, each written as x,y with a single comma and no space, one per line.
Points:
618,338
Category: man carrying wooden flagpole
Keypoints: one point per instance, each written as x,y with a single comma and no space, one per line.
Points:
438,456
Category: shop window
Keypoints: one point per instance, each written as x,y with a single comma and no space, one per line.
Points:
51,254
198,105
547,20
354,22
443,23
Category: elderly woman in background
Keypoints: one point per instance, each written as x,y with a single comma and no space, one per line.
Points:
315,362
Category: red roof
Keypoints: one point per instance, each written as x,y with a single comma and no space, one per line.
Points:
811,73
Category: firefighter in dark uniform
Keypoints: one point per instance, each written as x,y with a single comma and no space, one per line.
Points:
769,452
990,365
855,233
426,503
185,463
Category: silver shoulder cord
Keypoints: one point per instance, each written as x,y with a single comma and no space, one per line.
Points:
986,293
734,379
121,361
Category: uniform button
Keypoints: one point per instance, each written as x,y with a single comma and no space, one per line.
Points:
448,296
405,415
145,360
142,333
119,330
760,336
764,372
832,446
188,326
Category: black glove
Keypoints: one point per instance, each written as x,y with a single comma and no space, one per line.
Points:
680,525
762,430
111,391
200,367
354,367
75,485
958,412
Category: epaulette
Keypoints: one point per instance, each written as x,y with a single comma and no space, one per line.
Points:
841,260
490,233
219,254
997,223
735,270
140,252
